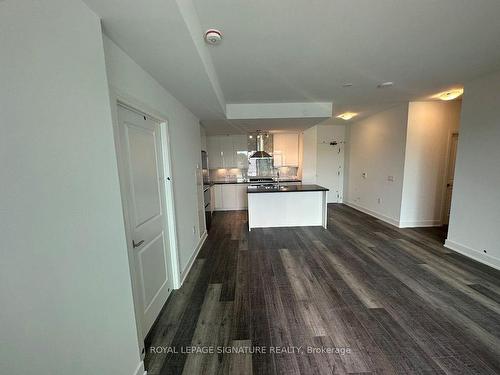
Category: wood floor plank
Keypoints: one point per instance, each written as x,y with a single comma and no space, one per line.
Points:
395,299
241,363
208,322
262,363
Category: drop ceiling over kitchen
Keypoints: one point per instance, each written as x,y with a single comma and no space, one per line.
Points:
296,51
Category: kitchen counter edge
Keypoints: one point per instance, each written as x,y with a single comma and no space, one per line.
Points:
288,189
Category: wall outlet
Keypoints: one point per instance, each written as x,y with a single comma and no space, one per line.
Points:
390,178
379,200
364,175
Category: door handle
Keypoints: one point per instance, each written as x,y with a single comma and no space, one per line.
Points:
137,244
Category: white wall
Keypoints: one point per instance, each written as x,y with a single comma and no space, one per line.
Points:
130,80
430,125
376,146
203,135
475,211
64,279
309,155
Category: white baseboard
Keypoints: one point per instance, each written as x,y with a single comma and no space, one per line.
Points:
140,369
231,209
420,223
473,254
193,257
380,216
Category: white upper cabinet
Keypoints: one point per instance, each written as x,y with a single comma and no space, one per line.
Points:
286,150
227,151
240,149
226,146
214,153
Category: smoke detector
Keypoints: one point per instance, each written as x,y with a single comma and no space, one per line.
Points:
213,37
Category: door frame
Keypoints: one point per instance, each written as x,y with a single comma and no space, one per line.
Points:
128,102
451,134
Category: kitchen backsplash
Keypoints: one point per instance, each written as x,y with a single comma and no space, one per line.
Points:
261,170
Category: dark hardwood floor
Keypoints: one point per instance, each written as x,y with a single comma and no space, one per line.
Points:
383,300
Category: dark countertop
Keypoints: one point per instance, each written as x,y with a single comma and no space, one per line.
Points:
285,188
246,181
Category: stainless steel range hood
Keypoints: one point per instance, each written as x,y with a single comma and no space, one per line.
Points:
259,145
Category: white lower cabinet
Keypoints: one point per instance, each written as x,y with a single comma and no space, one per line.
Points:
229,201
230,197
217,202
242,196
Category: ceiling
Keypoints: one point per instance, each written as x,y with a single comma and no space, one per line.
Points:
219,127
287,51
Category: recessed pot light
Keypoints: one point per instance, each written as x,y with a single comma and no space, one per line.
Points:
385,84
347,115
449,95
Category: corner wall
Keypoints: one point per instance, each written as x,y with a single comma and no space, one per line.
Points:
430,125
376,146
64,280
475,210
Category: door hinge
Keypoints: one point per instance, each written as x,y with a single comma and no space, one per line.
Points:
134,244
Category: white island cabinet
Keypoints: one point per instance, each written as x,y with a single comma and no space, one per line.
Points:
287,206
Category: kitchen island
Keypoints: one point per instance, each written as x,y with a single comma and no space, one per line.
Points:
286,206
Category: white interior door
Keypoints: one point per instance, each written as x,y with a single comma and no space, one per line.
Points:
450,176
142,161
329,170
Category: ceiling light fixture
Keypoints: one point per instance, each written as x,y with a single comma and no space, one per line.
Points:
347,85
213,37
449,95
385,84
347,115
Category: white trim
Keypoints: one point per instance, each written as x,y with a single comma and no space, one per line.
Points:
325,209
473,254
169,191
193,257
140,369
420,223
451,133
379,216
